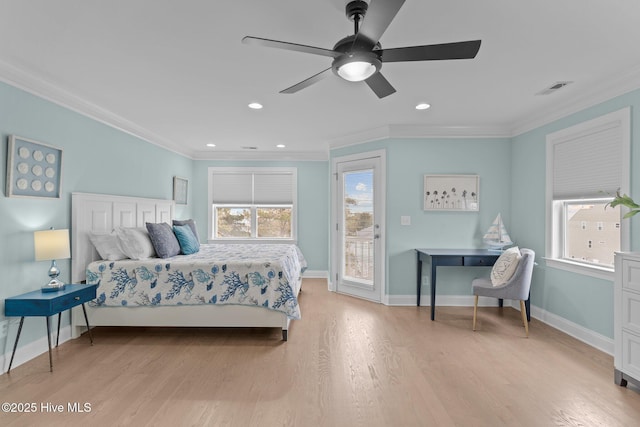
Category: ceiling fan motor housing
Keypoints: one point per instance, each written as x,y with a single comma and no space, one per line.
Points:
355,9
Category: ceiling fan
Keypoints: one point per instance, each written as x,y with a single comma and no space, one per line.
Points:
360,56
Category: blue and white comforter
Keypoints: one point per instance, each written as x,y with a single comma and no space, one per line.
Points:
266,275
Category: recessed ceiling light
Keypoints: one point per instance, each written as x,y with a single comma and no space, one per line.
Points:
211,145
255,106
422,106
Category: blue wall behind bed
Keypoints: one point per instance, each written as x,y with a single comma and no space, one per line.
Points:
96,159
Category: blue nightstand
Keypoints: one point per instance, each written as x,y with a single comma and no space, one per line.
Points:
38,303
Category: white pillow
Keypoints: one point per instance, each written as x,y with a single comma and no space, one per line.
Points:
135,243
505,266
107,246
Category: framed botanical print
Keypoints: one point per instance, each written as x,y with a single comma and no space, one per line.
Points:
451,193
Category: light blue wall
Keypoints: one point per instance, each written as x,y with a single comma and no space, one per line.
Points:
96,159
313,206
407,163
583,300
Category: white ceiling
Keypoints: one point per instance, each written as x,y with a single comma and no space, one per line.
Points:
175,73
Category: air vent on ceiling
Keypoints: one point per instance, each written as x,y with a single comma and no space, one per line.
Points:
249,148
554,87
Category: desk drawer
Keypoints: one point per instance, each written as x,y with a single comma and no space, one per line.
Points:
479,261
448,260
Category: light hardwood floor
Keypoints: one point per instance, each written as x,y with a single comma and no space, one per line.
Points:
348,362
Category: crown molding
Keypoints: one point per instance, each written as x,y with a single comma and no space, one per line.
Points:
615,86
262,155
419,131
51,92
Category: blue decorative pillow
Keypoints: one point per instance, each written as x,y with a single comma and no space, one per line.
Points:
188,242
164,241
191,223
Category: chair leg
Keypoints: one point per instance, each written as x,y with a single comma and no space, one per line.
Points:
475,312
523,312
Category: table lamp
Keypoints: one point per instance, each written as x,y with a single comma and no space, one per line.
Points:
52,245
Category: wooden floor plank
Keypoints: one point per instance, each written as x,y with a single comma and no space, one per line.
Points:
348,362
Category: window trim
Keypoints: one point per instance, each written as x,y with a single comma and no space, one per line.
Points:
212,170
554,228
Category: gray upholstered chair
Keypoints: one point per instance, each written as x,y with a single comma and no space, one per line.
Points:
516,288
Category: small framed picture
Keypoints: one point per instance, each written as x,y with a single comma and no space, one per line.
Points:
180,190
451,193
34,169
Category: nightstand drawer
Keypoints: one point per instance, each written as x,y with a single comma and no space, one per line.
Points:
76,298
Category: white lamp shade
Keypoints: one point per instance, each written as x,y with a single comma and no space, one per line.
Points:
51,244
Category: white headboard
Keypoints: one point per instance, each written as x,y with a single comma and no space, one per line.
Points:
101,213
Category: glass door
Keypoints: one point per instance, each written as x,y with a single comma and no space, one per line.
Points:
358,228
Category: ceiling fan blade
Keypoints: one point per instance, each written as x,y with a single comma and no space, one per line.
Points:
290,46
380,85
376,21
308,82
433,52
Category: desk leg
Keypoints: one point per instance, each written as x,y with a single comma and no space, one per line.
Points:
86,319
419,279
16,344
49,341
433,289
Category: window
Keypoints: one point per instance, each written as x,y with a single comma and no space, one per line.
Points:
252,203
586,165
591,235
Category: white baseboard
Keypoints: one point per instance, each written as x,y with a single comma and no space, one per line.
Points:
32,350
315,274
574,330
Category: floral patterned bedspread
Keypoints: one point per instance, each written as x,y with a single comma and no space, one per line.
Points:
266,275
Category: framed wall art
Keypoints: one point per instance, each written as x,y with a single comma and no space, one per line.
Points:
180,187
34,169
451,193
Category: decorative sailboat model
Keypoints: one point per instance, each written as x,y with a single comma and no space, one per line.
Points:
497,237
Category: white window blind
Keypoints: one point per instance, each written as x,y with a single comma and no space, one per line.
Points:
232,188
253,188
273,189
588,164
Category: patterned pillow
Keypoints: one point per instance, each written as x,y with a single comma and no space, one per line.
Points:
135,243
164,241
505,266
188,242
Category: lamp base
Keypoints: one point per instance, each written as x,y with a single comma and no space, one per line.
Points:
54,285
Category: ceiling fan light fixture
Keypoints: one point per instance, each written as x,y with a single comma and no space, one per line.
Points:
356,67
356,71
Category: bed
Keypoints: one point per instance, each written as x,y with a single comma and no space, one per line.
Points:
222,285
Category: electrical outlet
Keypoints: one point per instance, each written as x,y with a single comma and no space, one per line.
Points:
4,329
